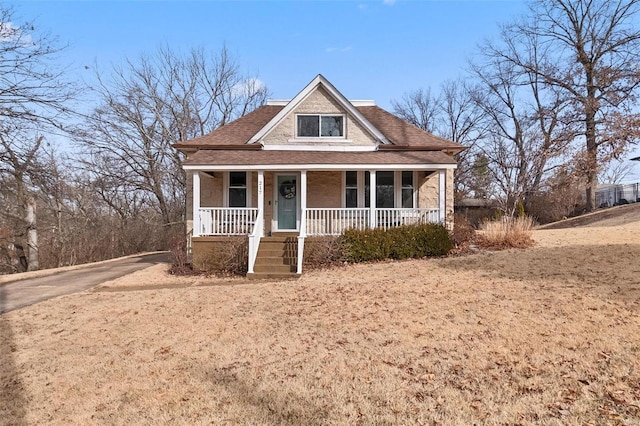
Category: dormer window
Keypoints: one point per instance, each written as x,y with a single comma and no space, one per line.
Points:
320,126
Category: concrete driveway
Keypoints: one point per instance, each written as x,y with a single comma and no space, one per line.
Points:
25,292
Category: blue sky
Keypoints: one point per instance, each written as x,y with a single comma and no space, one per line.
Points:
368,49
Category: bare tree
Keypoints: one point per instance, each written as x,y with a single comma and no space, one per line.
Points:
480,181
462,120
530,123
453,115
419,108
591,54
34,103
150,104
617,171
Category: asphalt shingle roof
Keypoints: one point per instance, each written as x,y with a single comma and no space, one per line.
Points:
232,157
238,132
399,132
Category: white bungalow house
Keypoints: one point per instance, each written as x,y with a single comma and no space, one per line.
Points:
314,165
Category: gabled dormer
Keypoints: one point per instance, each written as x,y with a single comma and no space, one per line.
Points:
319,118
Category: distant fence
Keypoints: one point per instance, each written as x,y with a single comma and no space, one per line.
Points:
614,195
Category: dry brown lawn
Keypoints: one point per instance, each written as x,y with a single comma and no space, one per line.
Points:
547,335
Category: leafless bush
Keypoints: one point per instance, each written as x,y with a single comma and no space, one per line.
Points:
227,256
563,196
556,204
180,260
463,230
320,252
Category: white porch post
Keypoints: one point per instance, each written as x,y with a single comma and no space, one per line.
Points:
261,199
303,202
196,203
303,219
442,194
372,199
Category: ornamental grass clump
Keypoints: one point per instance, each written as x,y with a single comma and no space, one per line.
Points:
508,232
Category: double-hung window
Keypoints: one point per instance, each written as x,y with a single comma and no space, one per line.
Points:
237,189
394,189
407,189
385,195
351,189
320,126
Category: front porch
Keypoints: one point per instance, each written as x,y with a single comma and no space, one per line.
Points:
305,203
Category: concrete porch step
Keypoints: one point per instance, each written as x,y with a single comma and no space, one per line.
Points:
275,268
275,260
283,235
277,250
279,239
272,276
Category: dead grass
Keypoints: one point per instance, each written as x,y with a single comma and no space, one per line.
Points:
546,335
514,232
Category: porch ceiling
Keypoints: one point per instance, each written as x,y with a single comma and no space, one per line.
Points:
317,160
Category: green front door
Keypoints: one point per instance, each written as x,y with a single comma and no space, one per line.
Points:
287,202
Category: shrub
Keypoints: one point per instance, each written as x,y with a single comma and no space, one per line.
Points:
463,231
227,256
433,240
404,242
180,264
411,241
322,251
508,232
366,245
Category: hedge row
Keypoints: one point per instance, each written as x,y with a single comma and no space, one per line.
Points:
411,241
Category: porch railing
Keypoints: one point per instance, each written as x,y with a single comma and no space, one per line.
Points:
327,221
226,220
391,218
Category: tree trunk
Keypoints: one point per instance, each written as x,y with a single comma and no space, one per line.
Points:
592,177
592,146
60,244
32,235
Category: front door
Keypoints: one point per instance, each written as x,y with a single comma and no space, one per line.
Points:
287,199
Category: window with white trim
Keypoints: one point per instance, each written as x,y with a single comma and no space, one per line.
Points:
237,189
351,189
394,189
385,194
320,126
407,189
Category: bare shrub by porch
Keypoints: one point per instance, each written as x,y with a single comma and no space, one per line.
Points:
221,255
323,251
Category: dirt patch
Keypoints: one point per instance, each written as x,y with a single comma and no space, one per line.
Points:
546,335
